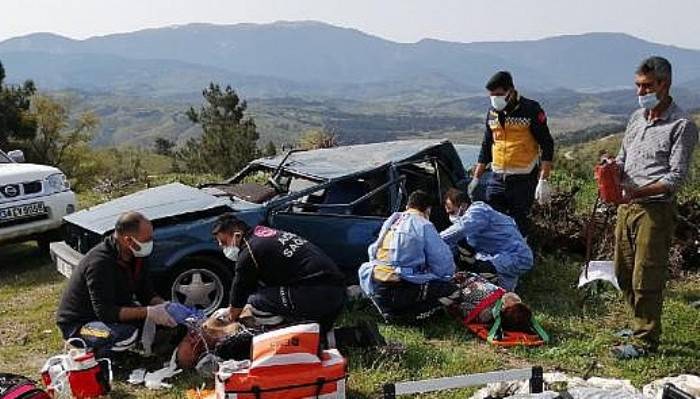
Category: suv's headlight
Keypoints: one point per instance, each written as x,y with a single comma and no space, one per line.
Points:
58,182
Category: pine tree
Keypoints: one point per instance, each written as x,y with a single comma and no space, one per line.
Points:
228,140
16,121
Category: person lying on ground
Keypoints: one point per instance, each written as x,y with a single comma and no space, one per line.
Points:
479,296
283,277
409,270
490,240
110,294
233,340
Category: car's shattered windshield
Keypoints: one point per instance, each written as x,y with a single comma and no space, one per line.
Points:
260,185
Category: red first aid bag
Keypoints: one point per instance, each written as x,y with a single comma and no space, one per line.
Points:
286,364
77,374
608,177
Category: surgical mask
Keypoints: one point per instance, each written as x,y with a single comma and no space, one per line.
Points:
145,248
454,219
648,101
499,102
231,252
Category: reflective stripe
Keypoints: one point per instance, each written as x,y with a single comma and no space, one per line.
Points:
514,171
286,360
94,332
300,328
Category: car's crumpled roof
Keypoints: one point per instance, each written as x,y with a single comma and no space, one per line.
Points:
332,163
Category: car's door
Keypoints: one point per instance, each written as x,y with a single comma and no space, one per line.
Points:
343,230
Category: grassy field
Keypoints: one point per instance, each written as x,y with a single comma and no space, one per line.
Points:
582,331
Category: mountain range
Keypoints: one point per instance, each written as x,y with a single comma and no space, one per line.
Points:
310,75
313,58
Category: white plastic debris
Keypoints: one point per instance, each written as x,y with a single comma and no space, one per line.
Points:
578,388
599,270
137,377
228,367
154,380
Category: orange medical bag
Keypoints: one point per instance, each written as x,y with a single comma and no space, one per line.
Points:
286,364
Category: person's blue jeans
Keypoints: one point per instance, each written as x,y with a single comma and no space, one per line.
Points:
104,338
513,195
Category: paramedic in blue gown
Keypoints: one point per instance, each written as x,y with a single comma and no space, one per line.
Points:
492,237
410,267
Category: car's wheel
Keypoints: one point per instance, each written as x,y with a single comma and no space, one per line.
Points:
201,282
45,239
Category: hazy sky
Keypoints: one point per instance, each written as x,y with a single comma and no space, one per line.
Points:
674,22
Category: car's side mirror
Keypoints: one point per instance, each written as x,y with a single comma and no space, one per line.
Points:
16,155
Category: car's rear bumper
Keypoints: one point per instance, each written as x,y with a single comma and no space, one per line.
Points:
65,257
57,206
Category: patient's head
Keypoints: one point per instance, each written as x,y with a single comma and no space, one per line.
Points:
515,315
189,350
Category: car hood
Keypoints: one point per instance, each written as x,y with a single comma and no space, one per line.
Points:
24,172
170,200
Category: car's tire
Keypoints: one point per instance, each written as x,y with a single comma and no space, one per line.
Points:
45,239
201,281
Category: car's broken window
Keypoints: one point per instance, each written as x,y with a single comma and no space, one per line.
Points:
353,196
427,175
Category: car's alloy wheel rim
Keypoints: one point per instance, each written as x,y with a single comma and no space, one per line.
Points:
201,288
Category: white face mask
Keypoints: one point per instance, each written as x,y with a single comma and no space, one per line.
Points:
648,101
231,252
145,248
499,102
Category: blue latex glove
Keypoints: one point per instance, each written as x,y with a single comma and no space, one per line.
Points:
181,312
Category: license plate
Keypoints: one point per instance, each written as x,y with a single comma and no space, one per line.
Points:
64,267
22,212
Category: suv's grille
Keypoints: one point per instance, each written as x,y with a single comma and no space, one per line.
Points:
32,187
80,239
18,190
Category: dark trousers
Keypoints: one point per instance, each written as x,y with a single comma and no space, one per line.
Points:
404,301
642,241
513,195
103,338
321,304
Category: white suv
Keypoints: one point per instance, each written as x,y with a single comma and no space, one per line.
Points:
33,200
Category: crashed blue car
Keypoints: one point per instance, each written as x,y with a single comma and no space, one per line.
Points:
337,198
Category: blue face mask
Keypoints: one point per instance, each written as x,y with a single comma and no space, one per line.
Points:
648,101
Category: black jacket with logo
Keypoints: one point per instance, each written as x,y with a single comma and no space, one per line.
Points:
274,258
100,285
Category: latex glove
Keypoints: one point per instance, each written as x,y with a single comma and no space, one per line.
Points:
471,189
148,335
543,192
159,315
223,315
181,313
